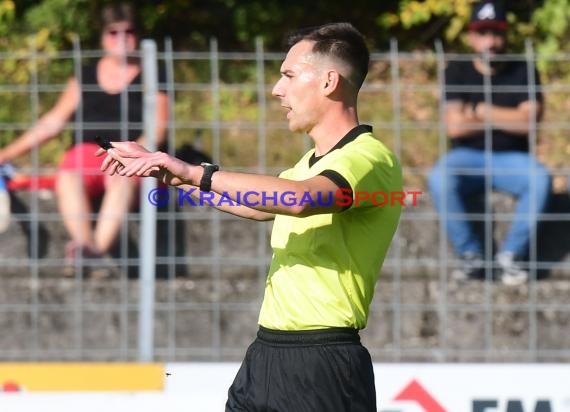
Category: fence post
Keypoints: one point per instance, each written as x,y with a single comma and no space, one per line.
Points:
533,217
147,246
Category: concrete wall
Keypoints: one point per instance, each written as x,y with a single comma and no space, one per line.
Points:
417,315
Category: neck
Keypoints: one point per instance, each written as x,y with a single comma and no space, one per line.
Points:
120,60
327,134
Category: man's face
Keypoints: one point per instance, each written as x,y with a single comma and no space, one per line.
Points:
298,88
492,41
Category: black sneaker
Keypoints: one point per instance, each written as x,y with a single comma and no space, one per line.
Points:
471,267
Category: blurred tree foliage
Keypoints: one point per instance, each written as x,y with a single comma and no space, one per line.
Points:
47,26
545,22
235,23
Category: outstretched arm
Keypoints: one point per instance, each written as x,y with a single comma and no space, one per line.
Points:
267,195
47,127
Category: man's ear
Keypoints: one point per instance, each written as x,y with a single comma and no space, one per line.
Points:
331,82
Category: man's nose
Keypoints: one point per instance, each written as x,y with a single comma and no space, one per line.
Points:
277,89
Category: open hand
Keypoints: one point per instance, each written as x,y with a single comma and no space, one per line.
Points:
121,155
131,159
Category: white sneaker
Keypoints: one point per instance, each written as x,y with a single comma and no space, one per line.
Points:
5,212
512,272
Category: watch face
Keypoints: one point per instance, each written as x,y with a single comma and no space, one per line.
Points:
212,166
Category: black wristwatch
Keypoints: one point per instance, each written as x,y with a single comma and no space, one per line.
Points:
206,181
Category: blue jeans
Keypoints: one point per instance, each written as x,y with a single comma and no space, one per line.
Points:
6,172
461,173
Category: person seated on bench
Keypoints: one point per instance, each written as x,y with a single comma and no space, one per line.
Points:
104,109
491,112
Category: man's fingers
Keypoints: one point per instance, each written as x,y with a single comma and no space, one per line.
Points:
114,168
111,166
128,155
139,167
100,152
107,163
119,156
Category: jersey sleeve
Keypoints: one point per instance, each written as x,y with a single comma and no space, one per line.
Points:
369,169
336,178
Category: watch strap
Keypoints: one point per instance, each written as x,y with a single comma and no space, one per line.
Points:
206,180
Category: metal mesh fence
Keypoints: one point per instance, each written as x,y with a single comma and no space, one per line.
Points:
210,267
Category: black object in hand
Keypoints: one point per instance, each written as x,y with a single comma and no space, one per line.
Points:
103,142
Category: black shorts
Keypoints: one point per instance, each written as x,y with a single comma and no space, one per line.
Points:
314,371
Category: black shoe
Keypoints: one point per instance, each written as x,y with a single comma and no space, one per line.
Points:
471,267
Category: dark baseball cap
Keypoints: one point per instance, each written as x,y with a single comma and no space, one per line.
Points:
488,15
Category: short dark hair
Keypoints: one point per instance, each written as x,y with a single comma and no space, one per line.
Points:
114,13
340,40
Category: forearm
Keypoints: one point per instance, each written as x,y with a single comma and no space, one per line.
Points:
192,195
185,177
461,120
48,126
268,195
276,195
25,142
466,121
515,120
262,196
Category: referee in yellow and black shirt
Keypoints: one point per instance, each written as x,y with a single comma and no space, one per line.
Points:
329,236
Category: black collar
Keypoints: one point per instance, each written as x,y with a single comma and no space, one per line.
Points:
349,137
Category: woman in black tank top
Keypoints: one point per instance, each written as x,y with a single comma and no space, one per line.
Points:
107,101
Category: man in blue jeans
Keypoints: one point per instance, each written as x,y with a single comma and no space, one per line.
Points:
491,107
